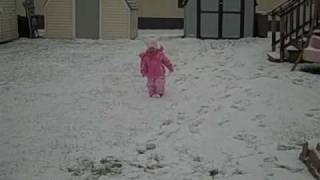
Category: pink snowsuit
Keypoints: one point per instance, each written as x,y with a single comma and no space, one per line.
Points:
153,67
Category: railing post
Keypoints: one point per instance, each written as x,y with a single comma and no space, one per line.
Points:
282,39
274,32
286,19
304,17
291,26
297,22
311,15
318,12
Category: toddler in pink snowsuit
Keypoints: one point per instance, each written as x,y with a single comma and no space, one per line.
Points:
153,63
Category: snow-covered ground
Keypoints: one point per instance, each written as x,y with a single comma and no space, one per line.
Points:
228,113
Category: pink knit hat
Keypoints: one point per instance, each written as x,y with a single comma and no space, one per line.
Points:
152,43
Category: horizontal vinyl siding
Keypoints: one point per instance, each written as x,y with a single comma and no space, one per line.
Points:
8,20
59,19
115,19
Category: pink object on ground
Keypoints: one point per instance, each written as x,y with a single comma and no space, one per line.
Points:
312,52
153,64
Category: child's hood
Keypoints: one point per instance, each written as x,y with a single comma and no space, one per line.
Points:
160,50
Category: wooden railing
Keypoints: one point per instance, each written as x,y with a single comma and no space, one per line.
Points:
297,18
280,7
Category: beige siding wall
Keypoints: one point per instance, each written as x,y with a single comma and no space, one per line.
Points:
115,20
159,9
59,19
38,4
8,20
164,8
267,5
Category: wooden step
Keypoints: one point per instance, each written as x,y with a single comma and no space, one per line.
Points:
310,156
292,48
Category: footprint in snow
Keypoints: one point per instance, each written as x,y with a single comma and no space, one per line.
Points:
286,148
224,124
204,109
260,118
180,80
181,116
313,113
250,140
241,105
226,96
298,81
166,123
194,126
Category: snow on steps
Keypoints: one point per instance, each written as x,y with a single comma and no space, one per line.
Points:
316,32
274,56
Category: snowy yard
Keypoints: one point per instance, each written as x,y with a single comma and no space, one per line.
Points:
228,113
